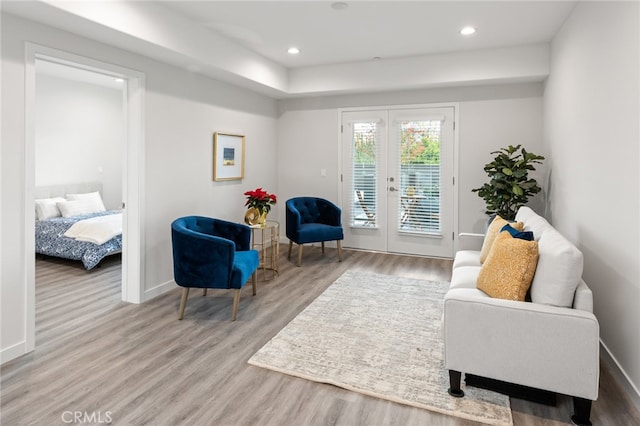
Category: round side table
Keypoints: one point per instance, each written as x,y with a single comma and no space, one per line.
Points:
266,239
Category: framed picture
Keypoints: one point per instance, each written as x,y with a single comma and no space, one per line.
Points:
228,156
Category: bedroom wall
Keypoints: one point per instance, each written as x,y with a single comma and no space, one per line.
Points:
490,117
79,135
182,112
592,132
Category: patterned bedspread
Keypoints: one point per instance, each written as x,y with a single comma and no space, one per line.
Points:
50,241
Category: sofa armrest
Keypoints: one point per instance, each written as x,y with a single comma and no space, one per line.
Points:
540,346
469,241
583,300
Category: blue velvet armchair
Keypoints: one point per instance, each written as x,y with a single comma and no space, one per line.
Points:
313,220
212,253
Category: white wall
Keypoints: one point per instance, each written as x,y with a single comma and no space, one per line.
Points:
592,111
79,135
490,117
182,112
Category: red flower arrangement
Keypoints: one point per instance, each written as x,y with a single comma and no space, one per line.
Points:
260,200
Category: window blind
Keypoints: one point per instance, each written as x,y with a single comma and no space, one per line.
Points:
420,177
366,154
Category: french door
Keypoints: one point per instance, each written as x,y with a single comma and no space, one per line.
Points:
398,180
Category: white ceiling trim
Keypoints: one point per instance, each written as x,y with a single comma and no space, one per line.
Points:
156,32
488,66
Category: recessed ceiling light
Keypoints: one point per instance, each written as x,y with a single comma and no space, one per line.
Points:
467,31
118,80
293,50
339,5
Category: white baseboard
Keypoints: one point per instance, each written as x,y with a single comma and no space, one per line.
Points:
158,290
620,375
13,352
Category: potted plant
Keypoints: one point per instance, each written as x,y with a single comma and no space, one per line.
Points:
258,203
509,186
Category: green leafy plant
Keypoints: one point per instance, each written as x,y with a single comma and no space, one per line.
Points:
510,186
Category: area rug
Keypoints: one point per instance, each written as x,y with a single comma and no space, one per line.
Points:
379,335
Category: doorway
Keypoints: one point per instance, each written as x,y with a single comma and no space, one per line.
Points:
398,186
132,172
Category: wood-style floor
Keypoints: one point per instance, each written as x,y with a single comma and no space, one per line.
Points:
139,365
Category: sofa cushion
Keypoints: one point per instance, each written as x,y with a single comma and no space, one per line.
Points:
559,270
494,228
508,271
464,277
466,258
532,222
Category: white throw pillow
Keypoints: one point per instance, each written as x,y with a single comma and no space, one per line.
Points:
47,208
94,197
532,222
78,207
559,270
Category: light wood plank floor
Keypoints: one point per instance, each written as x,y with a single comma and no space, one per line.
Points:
139,365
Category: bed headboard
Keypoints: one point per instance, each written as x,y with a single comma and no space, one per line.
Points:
51,191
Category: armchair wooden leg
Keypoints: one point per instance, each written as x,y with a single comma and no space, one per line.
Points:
290,245
204,292
236,302
299,254
581,411
183,302
340,250
454,384
322,242
254,281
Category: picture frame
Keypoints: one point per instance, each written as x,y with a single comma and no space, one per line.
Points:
228,156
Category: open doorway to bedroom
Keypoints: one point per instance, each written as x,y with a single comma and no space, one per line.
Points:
83,155
79,157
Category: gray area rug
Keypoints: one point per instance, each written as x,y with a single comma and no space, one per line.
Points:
379,335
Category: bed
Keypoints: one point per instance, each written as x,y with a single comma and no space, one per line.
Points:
72,223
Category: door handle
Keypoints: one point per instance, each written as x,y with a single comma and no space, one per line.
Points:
391,188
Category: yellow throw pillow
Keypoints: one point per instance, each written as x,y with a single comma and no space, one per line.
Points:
509,268
494,228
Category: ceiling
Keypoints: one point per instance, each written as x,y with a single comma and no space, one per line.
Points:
363,47
370,29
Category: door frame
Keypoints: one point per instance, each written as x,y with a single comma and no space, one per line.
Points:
456,151
133,174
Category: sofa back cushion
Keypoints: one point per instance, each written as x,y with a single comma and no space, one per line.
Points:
492,232
532,222
559,270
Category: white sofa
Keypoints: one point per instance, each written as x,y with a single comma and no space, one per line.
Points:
550,343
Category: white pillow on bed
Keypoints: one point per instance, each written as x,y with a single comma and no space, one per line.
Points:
78,207
46,208
94,197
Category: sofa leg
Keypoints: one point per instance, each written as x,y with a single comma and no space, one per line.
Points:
581,411
454,384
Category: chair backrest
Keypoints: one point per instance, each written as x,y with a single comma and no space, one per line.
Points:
315,210
201,258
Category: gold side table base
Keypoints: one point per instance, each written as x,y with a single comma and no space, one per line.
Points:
268,247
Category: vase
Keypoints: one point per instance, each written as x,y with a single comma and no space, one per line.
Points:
254,217
262,219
